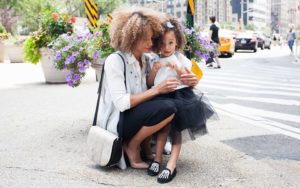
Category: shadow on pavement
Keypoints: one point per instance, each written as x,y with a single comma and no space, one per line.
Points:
277,147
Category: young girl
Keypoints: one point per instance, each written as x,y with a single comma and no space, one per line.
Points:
192,112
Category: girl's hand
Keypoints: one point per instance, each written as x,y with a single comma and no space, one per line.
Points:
167,86
156,66
189,78
172,65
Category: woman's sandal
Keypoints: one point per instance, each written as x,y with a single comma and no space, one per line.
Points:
154,168
166,176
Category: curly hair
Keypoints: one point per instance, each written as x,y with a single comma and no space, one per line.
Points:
130,25
178,31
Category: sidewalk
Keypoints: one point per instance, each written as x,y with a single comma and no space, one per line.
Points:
43,133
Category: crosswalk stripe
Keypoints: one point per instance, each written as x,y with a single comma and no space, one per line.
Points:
263,100
260,113
265,92
259,124
269,83
213,81
267,70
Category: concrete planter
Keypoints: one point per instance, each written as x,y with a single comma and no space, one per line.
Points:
15,52
2,52
98,68
52,75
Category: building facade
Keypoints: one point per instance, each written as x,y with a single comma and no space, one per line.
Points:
255,12
284,13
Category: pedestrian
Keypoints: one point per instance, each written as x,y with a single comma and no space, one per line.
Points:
274,40
291,37
124,83
192,112
214,37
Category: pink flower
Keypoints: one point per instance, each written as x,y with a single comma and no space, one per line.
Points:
54,15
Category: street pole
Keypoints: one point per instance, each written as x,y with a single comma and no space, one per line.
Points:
242,13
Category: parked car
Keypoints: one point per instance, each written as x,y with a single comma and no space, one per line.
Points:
262,40
227,43
268,42
246,41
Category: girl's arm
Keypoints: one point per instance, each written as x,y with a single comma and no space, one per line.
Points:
114,73
151,76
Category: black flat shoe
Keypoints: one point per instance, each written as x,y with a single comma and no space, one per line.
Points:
165,175
153,169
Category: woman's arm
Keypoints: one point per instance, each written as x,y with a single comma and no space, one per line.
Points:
114,72
165,87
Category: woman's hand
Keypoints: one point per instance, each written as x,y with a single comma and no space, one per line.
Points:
189,78
167,86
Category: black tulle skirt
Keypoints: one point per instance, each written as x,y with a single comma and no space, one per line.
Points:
193,110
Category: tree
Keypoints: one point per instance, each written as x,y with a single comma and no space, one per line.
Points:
8,14
30,12
250,27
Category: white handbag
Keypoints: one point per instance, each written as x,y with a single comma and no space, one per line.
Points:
103,146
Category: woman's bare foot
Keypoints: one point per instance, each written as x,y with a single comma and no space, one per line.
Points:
134,158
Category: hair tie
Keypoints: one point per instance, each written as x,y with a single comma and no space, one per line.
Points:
169,25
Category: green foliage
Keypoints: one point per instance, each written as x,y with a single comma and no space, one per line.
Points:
250,27
52,25
72,54
2,29
102,43
31,49
4,36
227,25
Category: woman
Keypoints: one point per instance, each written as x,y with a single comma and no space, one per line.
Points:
132,32
291,37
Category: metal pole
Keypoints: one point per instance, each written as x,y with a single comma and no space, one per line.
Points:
242,13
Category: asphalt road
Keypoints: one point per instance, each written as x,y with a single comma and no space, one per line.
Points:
255,142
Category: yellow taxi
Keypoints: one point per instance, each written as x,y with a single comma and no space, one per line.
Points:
227,43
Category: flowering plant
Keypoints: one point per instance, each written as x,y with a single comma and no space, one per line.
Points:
198,45
102,43
52,25
74,53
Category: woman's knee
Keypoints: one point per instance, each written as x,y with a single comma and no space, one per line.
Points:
168,106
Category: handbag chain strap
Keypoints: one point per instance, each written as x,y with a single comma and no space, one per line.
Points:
99,94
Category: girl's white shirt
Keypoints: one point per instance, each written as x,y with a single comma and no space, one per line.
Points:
165,73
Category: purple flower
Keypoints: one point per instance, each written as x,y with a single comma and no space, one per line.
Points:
70,59
72,71
57,56
86,62
82,69
80,64
188,31
70,83
96,55
74,54
76,77
79,38
69,77
198,52
97,34
66,48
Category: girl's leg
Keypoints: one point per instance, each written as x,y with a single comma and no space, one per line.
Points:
132,149
176,147
161,142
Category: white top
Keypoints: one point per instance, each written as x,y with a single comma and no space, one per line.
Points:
115,97
165,72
